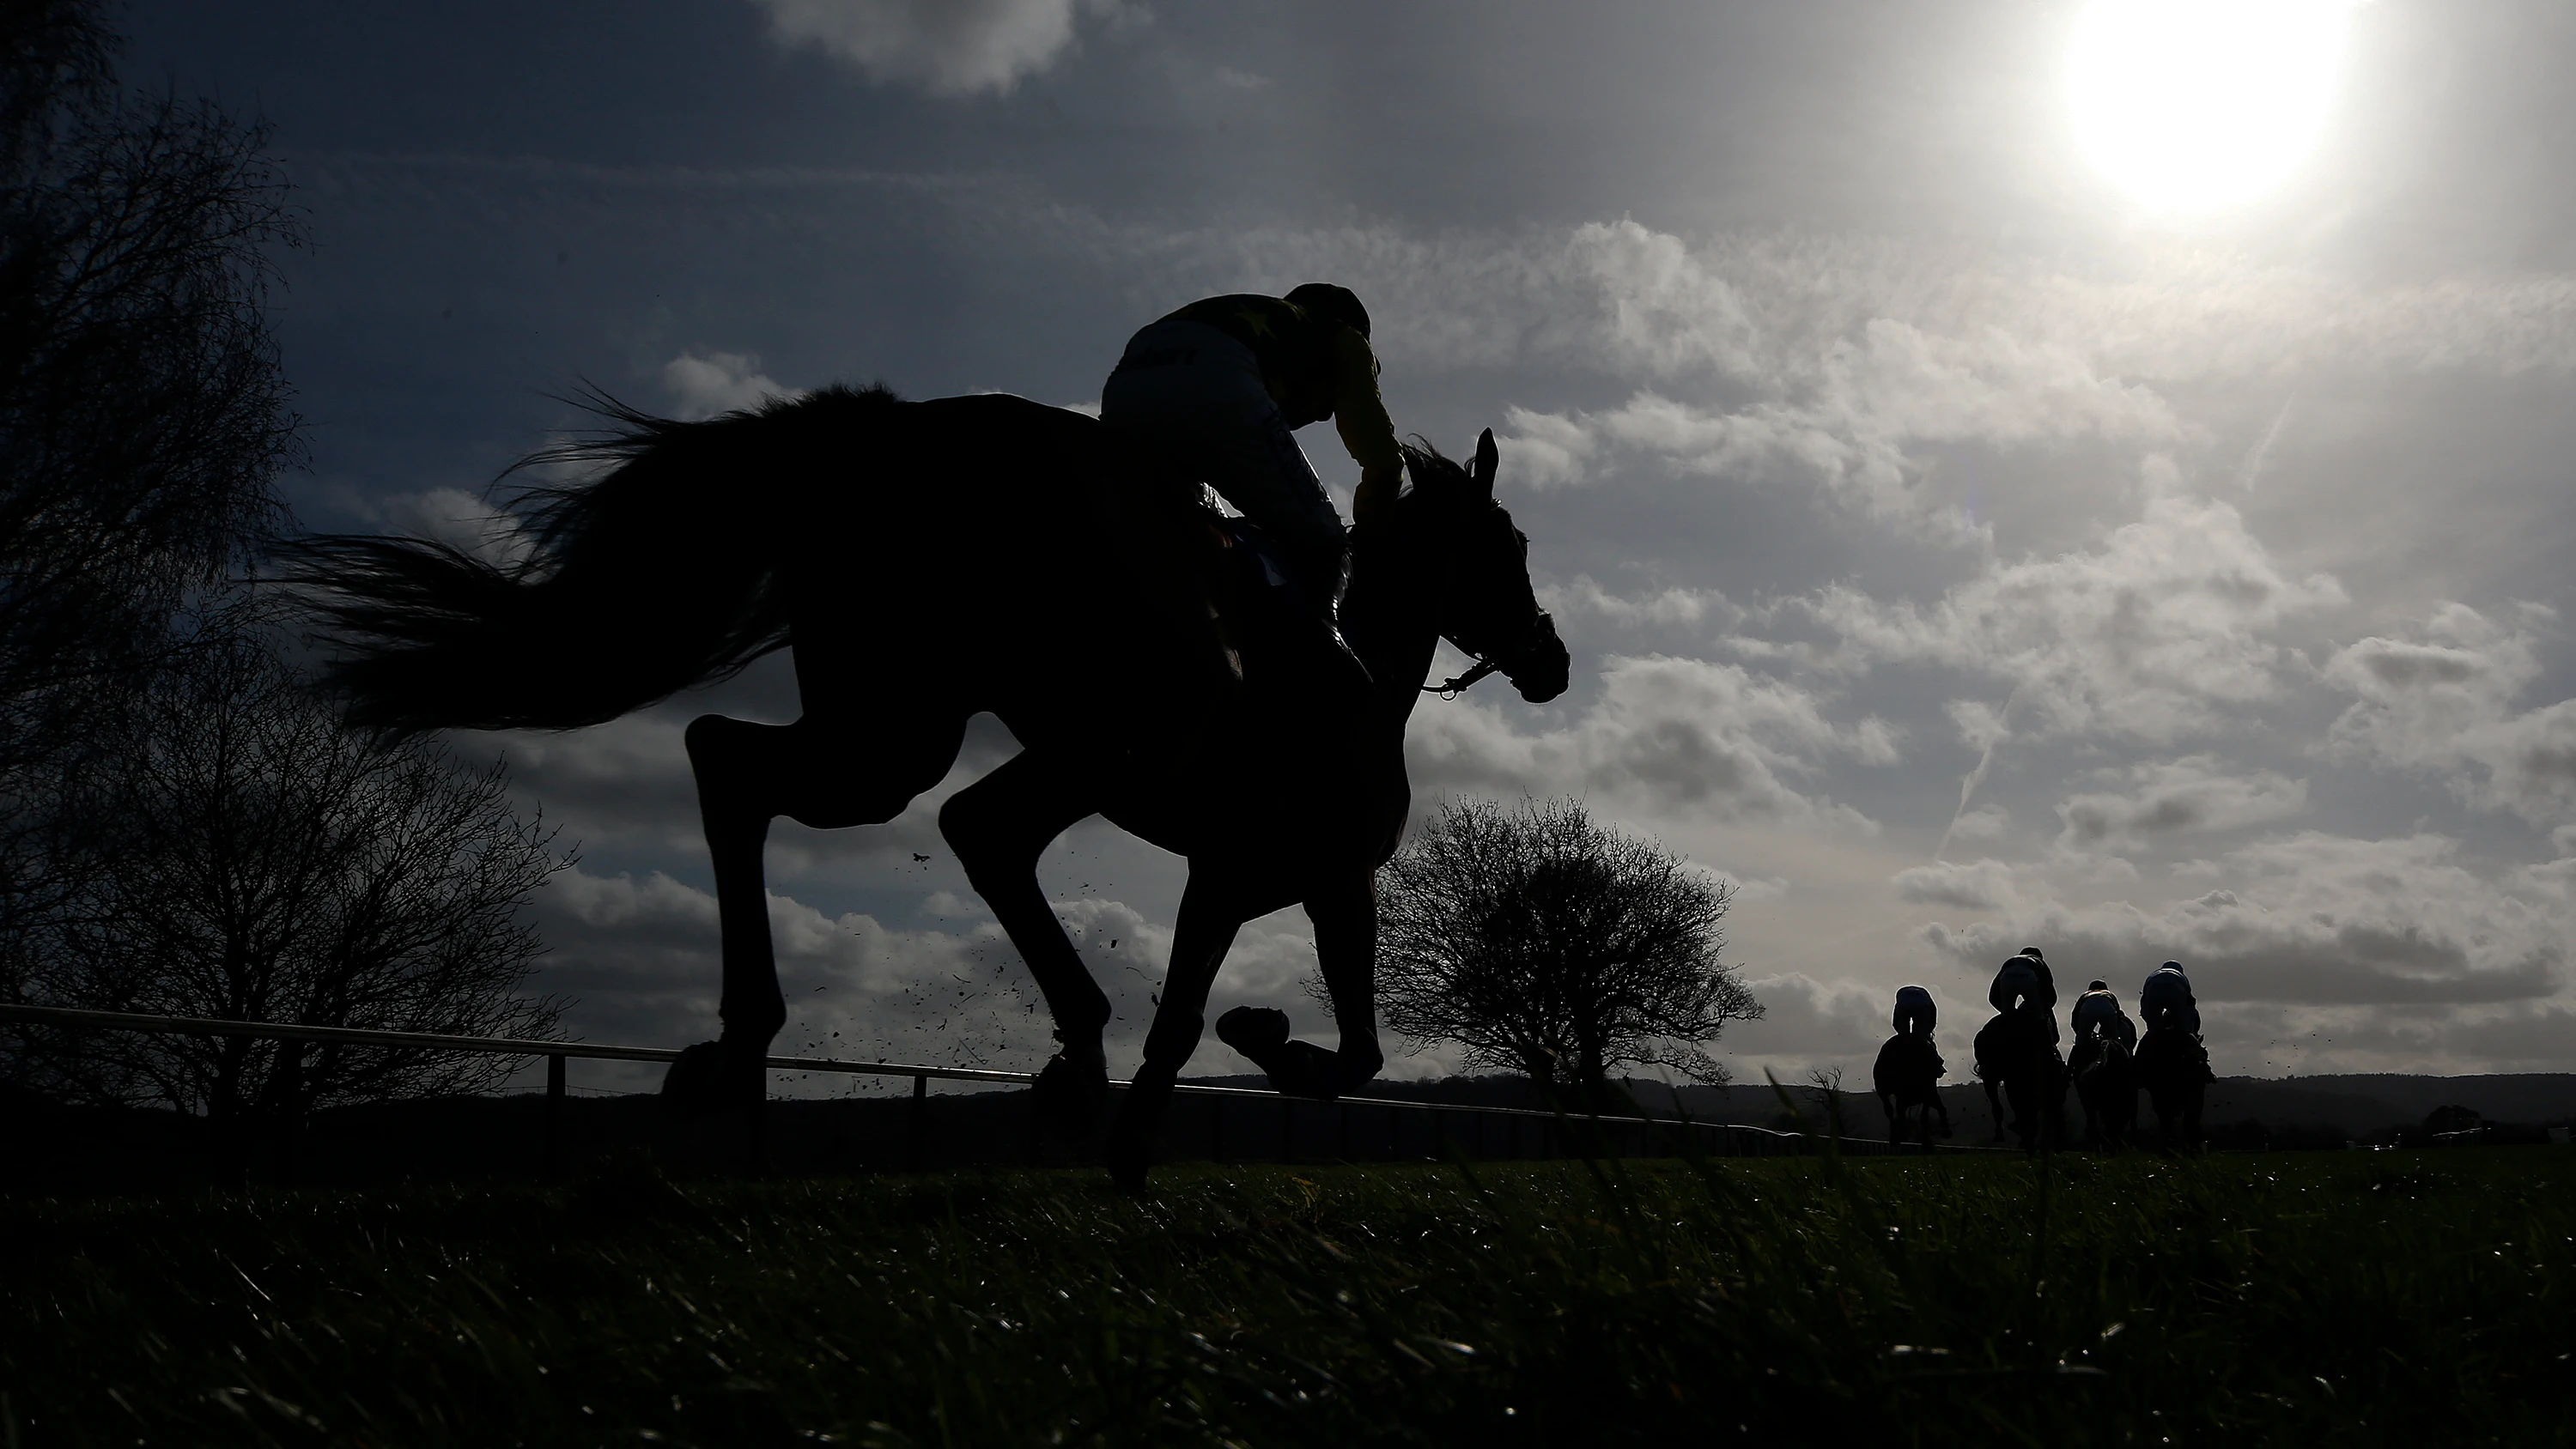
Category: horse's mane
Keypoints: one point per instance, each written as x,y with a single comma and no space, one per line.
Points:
1423,462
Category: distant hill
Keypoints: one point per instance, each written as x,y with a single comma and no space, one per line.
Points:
2356,1104
2546,1098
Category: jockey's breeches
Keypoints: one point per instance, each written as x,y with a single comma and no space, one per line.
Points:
1190,399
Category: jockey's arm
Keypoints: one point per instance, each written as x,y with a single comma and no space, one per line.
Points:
1359,415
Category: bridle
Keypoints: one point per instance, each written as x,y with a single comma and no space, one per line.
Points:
1539,625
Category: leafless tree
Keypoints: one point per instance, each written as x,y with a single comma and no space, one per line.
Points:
1827,1083
259,862
143,414
1541,941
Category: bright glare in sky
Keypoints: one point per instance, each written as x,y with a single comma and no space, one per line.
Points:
2192,105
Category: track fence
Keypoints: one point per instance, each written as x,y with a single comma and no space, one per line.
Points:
1350,1128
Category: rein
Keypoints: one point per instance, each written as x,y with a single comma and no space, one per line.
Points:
1453,686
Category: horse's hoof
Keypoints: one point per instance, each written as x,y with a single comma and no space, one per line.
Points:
1130,1155
1295,1068
714,1077
1255,1031
1070,1090
1303,1069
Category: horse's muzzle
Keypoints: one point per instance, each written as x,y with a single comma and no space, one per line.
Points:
1540,668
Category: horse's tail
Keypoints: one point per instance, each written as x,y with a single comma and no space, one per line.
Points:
662,572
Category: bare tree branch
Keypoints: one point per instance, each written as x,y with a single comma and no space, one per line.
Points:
1542,942
260,862
143,413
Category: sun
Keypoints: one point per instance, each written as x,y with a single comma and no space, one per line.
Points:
2197,105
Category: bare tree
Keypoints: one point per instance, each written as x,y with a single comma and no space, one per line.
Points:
262,863
143,414
1543,942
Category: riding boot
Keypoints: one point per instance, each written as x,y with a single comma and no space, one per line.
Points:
1317,575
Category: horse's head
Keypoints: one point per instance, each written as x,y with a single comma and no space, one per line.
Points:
1486,605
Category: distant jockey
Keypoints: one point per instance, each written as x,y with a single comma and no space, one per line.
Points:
2097,1018
2166,1001
1915,1013
2098,1009
2024,984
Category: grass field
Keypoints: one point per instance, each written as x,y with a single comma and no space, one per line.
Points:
2326,1298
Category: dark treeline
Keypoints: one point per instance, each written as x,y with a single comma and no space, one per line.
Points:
185,828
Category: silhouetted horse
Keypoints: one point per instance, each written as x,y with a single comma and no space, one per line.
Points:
926,561
1908,1078
2107,1087
2174,1068
2019,1064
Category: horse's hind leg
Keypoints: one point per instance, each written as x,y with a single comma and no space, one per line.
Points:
999,826
1202,932
748,775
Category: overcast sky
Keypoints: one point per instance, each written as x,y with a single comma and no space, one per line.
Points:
1958,552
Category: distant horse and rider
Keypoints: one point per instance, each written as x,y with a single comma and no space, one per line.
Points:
1909,1069
2106,1080
2019,1064
923,562
2173,1063
2016,1051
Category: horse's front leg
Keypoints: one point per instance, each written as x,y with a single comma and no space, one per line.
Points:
1202,933
1344,914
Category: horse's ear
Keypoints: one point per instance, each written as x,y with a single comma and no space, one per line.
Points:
1488,459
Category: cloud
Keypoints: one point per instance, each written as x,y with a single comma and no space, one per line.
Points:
702,386
947,47
1662,311
1987,885
1542,450
1805,1021
2311,919
2149,636
2191,795
1679,737
1846,420
2176,312
1584,597
2442,705
1986,822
